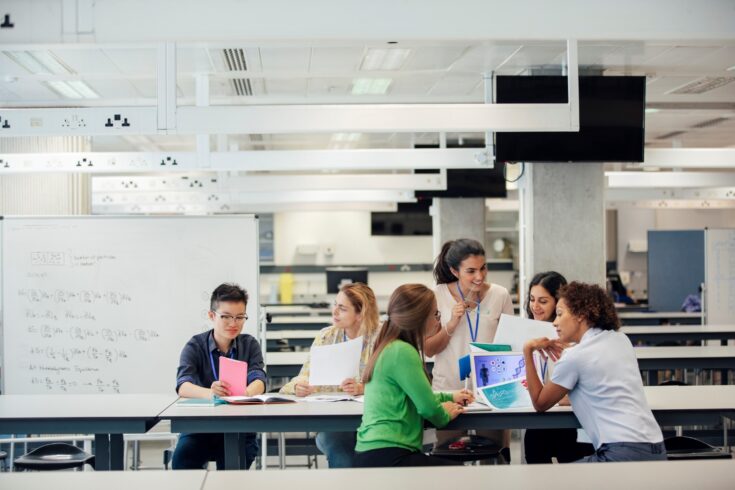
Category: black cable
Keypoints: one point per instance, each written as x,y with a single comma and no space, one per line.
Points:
505,171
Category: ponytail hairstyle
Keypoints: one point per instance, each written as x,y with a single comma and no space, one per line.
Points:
551,281
592,303
363,300
451,256
408,308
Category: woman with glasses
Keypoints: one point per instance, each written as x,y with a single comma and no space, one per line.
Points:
198,375
355,314
398,395
470,310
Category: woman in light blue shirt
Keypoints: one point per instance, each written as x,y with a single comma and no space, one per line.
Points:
600,374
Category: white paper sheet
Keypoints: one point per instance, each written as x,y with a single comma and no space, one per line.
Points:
332,364
515,331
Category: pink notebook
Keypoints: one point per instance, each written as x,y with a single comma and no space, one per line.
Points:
235,374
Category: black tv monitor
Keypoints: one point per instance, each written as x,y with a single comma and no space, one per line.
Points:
339,276
484,182
410,219
611,120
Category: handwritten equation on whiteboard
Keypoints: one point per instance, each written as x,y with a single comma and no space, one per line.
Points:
79,333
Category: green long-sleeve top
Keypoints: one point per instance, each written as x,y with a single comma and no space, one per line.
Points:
397,398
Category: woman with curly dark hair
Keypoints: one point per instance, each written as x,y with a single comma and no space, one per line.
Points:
600,374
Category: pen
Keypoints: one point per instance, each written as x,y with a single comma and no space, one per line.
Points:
465,388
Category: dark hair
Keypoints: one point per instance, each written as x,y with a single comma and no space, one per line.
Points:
227,293
591,302
451,256
408,308
550,281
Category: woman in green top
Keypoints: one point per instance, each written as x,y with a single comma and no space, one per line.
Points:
398,393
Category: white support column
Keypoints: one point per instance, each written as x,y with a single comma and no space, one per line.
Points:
166,86
202,100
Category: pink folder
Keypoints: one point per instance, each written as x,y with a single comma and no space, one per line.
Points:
235,374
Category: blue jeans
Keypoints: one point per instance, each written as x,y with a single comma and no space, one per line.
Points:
338,447
627,451
194,451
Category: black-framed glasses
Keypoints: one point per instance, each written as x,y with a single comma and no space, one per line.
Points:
230,318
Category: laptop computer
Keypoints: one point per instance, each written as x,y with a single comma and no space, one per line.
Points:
498,379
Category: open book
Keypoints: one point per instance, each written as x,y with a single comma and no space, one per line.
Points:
256,400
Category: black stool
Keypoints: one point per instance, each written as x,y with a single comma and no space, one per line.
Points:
54,456
683,447
469,448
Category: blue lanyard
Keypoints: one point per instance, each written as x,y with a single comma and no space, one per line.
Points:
211,361
543,369
473,333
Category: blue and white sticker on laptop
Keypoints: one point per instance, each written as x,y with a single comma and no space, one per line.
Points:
507,394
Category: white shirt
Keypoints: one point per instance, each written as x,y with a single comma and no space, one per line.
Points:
605,388
446,363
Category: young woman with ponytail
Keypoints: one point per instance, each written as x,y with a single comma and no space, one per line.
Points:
398,395
470,310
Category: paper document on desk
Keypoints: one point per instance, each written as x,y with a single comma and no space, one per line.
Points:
332,364
332,397
515,331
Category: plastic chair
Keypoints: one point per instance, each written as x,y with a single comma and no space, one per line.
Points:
682,447
469,448
54,456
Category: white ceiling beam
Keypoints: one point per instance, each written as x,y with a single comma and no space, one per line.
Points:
276,160
208,183
688,158
383,118
200,208
387,20
654,194
380,118
669,179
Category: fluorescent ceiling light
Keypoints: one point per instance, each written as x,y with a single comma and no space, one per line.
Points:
351,137
384,59
702,85
83,89
64,89
39,62
370,86
652,110
74,89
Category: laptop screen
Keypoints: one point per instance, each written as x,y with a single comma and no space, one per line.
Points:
490,369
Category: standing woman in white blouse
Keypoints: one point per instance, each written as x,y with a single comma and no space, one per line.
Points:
470,310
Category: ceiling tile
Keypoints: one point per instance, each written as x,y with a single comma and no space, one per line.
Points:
324,59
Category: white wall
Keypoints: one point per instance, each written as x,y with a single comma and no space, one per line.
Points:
347,234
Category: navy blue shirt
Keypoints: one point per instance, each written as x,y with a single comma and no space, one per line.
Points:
201,352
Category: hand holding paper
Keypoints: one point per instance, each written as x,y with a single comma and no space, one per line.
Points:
516,331
332,364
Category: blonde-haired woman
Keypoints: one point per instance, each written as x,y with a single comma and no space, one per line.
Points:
354,314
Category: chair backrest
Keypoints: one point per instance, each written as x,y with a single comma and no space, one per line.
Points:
683,448
685,443
54,456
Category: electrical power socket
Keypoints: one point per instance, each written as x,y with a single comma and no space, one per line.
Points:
117,121
74,122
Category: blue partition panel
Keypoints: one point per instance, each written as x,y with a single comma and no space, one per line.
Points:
675,267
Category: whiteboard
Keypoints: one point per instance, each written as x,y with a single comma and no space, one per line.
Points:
105,304
720,276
